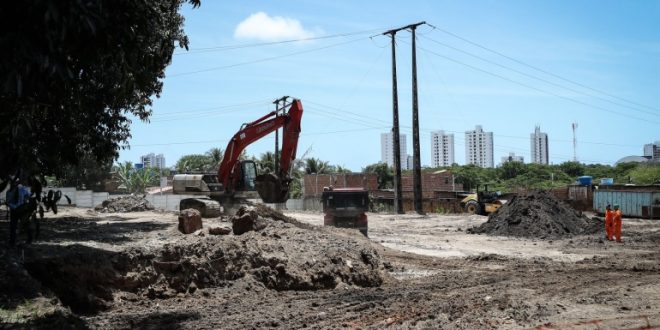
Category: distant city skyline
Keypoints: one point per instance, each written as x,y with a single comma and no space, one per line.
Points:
507,65
152,160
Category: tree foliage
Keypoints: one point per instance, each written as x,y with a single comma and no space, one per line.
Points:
135,180
384,174
88,173
75,72
194,163
315,165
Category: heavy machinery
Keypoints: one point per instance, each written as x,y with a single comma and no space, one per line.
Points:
346,207
237,180
483,202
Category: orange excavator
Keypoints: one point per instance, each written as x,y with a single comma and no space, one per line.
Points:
237,180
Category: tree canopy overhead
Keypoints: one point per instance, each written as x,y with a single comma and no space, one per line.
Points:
74,71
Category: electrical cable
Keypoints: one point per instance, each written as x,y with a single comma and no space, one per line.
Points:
535,88
263,59
540,70
539,78
241,46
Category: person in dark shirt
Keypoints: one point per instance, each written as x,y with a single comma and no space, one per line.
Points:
17,200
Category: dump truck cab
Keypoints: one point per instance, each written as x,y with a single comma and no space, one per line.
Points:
346,208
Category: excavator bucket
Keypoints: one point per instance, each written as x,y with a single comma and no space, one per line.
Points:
272,189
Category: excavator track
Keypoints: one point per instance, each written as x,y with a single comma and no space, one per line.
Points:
207,207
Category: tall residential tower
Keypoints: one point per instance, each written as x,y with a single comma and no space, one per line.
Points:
479,147
539,147
387,149
442,149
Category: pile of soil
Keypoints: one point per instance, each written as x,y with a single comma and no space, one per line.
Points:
537,214
278,256
129,203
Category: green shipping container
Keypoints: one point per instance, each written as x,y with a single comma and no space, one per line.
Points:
634,204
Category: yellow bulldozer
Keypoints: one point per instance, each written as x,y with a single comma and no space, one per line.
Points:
484,202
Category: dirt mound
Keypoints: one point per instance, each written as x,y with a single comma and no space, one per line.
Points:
279,256
538,214
129,203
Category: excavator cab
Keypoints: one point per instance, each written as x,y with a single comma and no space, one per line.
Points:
271,188
247,175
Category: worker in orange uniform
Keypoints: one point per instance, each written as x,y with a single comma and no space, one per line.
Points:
609,222
617,223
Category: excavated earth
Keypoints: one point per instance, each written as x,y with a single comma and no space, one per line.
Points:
538,214
130,203
137,271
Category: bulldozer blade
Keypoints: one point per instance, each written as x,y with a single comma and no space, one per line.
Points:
272,189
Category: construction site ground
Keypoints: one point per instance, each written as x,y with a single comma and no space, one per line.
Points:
426,273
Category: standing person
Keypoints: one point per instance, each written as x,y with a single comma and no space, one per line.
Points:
617,223
17,197
609,222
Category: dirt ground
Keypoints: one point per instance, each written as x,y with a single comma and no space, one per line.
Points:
135,270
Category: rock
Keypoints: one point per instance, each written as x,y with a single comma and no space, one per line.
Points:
190,220
244,220
242,224
219,231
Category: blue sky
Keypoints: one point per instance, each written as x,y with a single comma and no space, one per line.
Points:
611,49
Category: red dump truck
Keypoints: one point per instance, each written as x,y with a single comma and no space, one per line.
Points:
346,208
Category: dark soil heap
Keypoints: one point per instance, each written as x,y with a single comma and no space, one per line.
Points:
280,254
129,203
538,214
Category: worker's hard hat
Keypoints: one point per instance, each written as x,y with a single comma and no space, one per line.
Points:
616,206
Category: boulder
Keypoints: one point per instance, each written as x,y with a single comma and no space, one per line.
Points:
244,220
190,220
219,231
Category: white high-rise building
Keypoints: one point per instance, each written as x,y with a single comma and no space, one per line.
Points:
479,147
153,160
513,158
539,147
652,150
442,149
387,149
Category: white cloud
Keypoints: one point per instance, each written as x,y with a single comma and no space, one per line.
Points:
261,26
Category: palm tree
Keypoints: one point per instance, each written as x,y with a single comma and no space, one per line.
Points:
315,165
215,157
267,161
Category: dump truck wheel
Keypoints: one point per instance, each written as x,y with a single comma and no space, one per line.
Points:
472,207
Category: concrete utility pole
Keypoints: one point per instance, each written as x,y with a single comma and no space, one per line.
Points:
398,200
417,166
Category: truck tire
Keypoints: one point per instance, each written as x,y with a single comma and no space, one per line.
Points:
472,207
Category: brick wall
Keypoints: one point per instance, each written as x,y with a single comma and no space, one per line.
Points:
431,182
314,183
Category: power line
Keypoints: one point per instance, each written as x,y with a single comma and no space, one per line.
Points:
539,78
263,59
535,88
262,44
541,70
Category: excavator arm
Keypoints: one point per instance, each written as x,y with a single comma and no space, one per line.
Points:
272,187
